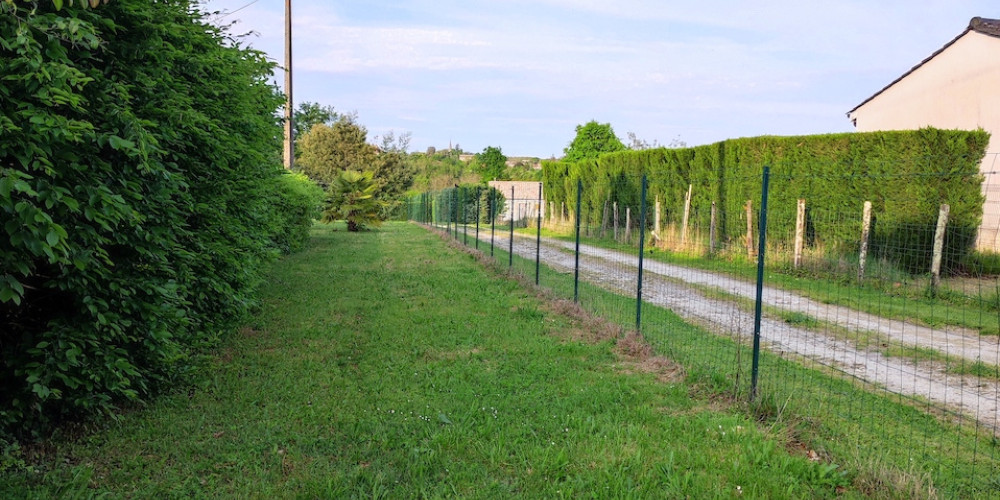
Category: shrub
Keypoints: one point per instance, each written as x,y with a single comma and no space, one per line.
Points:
351,198
299,202
140,193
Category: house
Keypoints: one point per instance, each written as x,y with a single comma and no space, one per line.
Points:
957,87
523,199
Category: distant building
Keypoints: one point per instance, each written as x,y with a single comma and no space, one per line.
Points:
522,199
957,87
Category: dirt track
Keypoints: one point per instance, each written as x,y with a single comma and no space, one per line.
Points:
677,288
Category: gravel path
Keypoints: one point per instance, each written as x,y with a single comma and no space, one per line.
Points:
670,286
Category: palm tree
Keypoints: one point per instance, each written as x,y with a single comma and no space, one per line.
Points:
351,197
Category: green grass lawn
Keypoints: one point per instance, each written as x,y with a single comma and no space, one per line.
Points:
386,365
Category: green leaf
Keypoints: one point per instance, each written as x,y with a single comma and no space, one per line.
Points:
52,238
118,144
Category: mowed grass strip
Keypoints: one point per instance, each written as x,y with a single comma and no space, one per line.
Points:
386,365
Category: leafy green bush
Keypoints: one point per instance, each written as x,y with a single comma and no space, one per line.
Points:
140,195
299,202
905,174
351,198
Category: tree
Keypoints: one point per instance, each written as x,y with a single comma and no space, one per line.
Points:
492,164
352,199
592,140
329,150
392,143
393,175
637,144
310,114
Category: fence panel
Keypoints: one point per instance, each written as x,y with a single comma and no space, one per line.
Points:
879,333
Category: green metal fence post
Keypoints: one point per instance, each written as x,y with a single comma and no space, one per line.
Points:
478,195
454,211
642,243
465,219
538,235
576,266
493,217
761,246
510,255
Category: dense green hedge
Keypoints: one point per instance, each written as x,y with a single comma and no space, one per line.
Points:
457,204
140,194
906,175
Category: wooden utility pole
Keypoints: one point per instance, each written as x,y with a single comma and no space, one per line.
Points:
289,110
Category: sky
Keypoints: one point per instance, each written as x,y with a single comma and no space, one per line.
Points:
521,75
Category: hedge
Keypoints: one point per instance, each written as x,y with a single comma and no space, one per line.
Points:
457,204
141,194
905,174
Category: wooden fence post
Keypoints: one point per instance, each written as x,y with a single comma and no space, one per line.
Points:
866,226
711,231
628,224
800,233
616,220
687,214
656,215
750,229
939,246
604,220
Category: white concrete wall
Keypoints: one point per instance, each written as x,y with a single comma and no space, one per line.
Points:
525,200
957,89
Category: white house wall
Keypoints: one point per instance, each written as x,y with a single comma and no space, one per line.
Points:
957,89
524,204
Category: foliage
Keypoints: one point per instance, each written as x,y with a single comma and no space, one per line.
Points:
310,114
637,144
351,198
433,172
456,204
525,171
328,150
592,140
298,204
58,4
390,142
492,164
906,175
393,176
140,192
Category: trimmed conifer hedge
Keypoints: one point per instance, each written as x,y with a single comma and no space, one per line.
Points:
905,174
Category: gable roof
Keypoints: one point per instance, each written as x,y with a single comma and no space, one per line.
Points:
989,27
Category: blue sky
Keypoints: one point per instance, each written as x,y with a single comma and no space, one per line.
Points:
522,74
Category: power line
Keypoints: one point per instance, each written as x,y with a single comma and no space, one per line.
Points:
227,14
